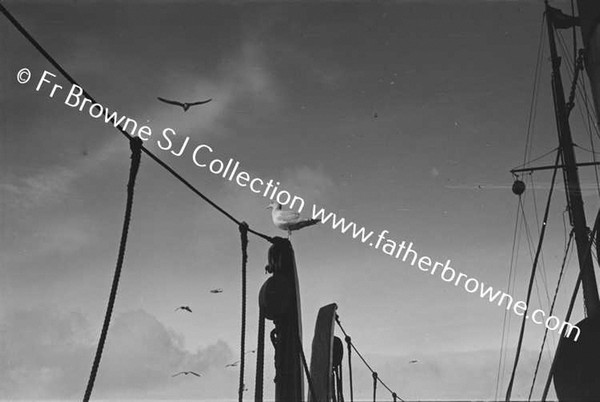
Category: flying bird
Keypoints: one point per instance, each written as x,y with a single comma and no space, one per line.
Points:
186,373
184,105
186,308
219,290
413,361
234,364
289,220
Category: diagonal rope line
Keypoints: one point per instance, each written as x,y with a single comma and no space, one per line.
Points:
562,269
348,339
532,278
172,171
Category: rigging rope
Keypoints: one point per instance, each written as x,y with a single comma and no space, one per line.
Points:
532,278
260,358
375,386
562,268
534,92
593,237
349,341
244,240
306,371
567,318
155,158
135,145
349,344
510,272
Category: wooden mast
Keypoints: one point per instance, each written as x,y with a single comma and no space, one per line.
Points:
573,188
576,367
279,301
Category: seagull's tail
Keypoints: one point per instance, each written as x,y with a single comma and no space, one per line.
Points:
304,223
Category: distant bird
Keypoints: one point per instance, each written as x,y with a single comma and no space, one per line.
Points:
234,364
219,290
289,220
413,361
186,308
184,105
375,115
186,373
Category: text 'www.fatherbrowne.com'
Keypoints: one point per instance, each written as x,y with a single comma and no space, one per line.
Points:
404,251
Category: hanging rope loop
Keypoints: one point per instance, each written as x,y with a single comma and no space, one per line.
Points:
136,146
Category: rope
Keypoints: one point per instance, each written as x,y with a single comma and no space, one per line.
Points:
155,158
593,236
568,317
306,371
349,344
349,341
562,268
244,239
532,278
135,145
260,358
510,273
375,386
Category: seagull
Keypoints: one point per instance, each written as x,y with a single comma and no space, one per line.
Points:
184,105
234,364
289,220
186,308
186,373
219,290
413,361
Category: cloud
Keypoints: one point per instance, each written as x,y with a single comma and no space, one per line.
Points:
47,354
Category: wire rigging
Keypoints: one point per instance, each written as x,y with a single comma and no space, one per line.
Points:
167,167
135,145
562,269
373,372
510,272
532,278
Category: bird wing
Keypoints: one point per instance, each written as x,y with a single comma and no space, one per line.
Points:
175,375
200,102
170,101
196,374
287,216
302,224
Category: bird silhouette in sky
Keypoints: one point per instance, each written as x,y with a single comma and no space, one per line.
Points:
289,220
186,308
219,290
184,105
413,361
234,364
186,373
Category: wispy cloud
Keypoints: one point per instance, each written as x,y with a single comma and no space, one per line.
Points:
47,354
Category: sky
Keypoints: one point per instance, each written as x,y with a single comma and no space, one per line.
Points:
404,116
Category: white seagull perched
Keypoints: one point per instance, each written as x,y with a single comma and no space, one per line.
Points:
289,220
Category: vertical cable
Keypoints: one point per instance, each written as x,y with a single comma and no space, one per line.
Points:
349,343
374,386
244,240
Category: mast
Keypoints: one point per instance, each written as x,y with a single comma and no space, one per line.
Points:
571,177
